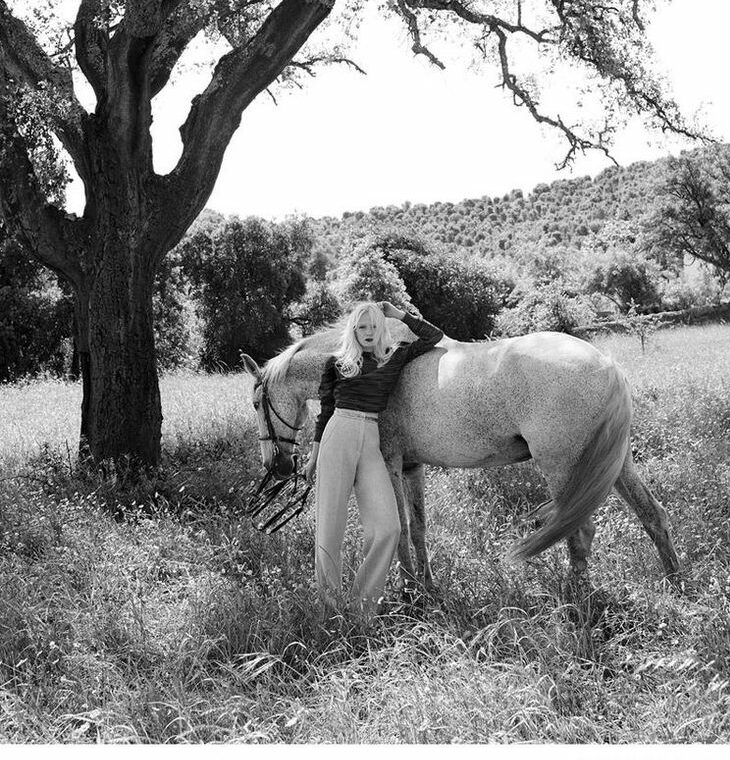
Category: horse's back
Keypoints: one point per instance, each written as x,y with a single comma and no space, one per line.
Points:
484,403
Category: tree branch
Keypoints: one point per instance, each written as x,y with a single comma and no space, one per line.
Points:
24,63
183,23
604,37
523,98
143,18
127,107
309,64
181,27
45,231
91,38
418,47
462,11
238,79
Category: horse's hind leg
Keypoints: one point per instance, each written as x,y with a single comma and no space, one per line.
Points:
557,473
415,484
652,514
579,547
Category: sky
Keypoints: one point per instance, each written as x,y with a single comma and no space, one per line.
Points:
407,131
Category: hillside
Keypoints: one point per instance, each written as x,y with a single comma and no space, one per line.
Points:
562,213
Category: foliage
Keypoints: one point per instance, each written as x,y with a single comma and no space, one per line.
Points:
693,217
462,297
366,275
550,307
245,274
615,266
35,318
684,292
545,232
176,335
319,307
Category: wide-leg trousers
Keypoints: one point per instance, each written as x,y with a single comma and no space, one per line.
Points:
349,456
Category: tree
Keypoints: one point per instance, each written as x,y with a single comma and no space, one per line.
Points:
246,274
549,307
463,297
33,315
365,275
127,49
615,265
319,307
693,217
174,321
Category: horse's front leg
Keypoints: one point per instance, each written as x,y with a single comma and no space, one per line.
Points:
407,569
415,492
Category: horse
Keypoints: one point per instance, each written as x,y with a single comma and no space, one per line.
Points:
544,396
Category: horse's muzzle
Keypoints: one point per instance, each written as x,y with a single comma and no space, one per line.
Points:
282,467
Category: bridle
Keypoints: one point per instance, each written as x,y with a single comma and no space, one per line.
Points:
287,488
268,408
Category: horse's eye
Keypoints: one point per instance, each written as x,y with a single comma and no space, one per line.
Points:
256,405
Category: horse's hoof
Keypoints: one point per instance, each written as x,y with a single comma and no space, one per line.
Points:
577,587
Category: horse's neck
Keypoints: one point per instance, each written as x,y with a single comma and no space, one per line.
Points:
305,371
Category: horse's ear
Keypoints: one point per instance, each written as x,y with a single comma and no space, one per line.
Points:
250,366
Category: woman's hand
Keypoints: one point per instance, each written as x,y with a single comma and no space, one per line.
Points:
310,468
391,311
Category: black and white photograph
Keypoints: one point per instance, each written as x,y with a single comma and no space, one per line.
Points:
365,375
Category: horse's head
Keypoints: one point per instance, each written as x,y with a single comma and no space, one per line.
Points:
279,412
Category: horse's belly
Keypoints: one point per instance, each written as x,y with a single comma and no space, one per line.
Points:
453,438
466,454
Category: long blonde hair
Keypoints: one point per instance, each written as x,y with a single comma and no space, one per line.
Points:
348,357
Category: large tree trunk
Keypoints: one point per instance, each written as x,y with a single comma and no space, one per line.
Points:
124,415
121,414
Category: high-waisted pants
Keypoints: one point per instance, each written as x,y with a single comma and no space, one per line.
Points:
349,455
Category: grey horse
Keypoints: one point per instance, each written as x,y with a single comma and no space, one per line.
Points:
544,396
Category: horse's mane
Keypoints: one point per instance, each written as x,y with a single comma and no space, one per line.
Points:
325,339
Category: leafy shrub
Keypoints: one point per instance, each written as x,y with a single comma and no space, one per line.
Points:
462,297
36,317
680,293
319,306
550,307
177,338
246,274
366,275
626,278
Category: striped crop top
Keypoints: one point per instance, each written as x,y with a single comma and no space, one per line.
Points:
369,390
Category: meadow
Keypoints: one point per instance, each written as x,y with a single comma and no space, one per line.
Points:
155,613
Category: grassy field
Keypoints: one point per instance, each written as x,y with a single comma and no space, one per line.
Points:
155,614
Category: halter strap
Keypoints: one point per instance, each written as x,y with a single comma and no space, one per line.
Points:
268,406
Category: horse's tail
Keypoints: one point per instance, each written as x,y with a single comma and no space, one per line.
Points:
593,475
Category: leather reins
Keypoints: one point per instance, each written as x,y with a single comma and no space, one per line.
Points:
265,493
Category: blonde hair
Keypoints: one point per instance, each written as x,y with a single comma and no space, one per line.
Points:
348,357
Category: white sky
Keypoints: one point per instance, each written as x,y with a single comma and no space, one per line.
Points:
409,131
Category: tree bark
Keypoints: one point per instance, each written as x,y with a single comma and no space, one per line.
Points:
122,414
121,410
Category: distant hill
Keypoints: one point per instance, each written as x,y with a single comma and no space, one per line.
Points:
562,213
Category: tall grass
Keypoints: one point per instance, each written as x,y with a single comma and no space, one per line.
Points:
156,613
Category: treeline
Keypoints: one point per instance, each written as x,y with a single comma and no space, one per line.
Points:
566,255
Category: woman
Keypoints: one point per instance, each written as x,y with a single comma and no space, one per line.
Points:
355,386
